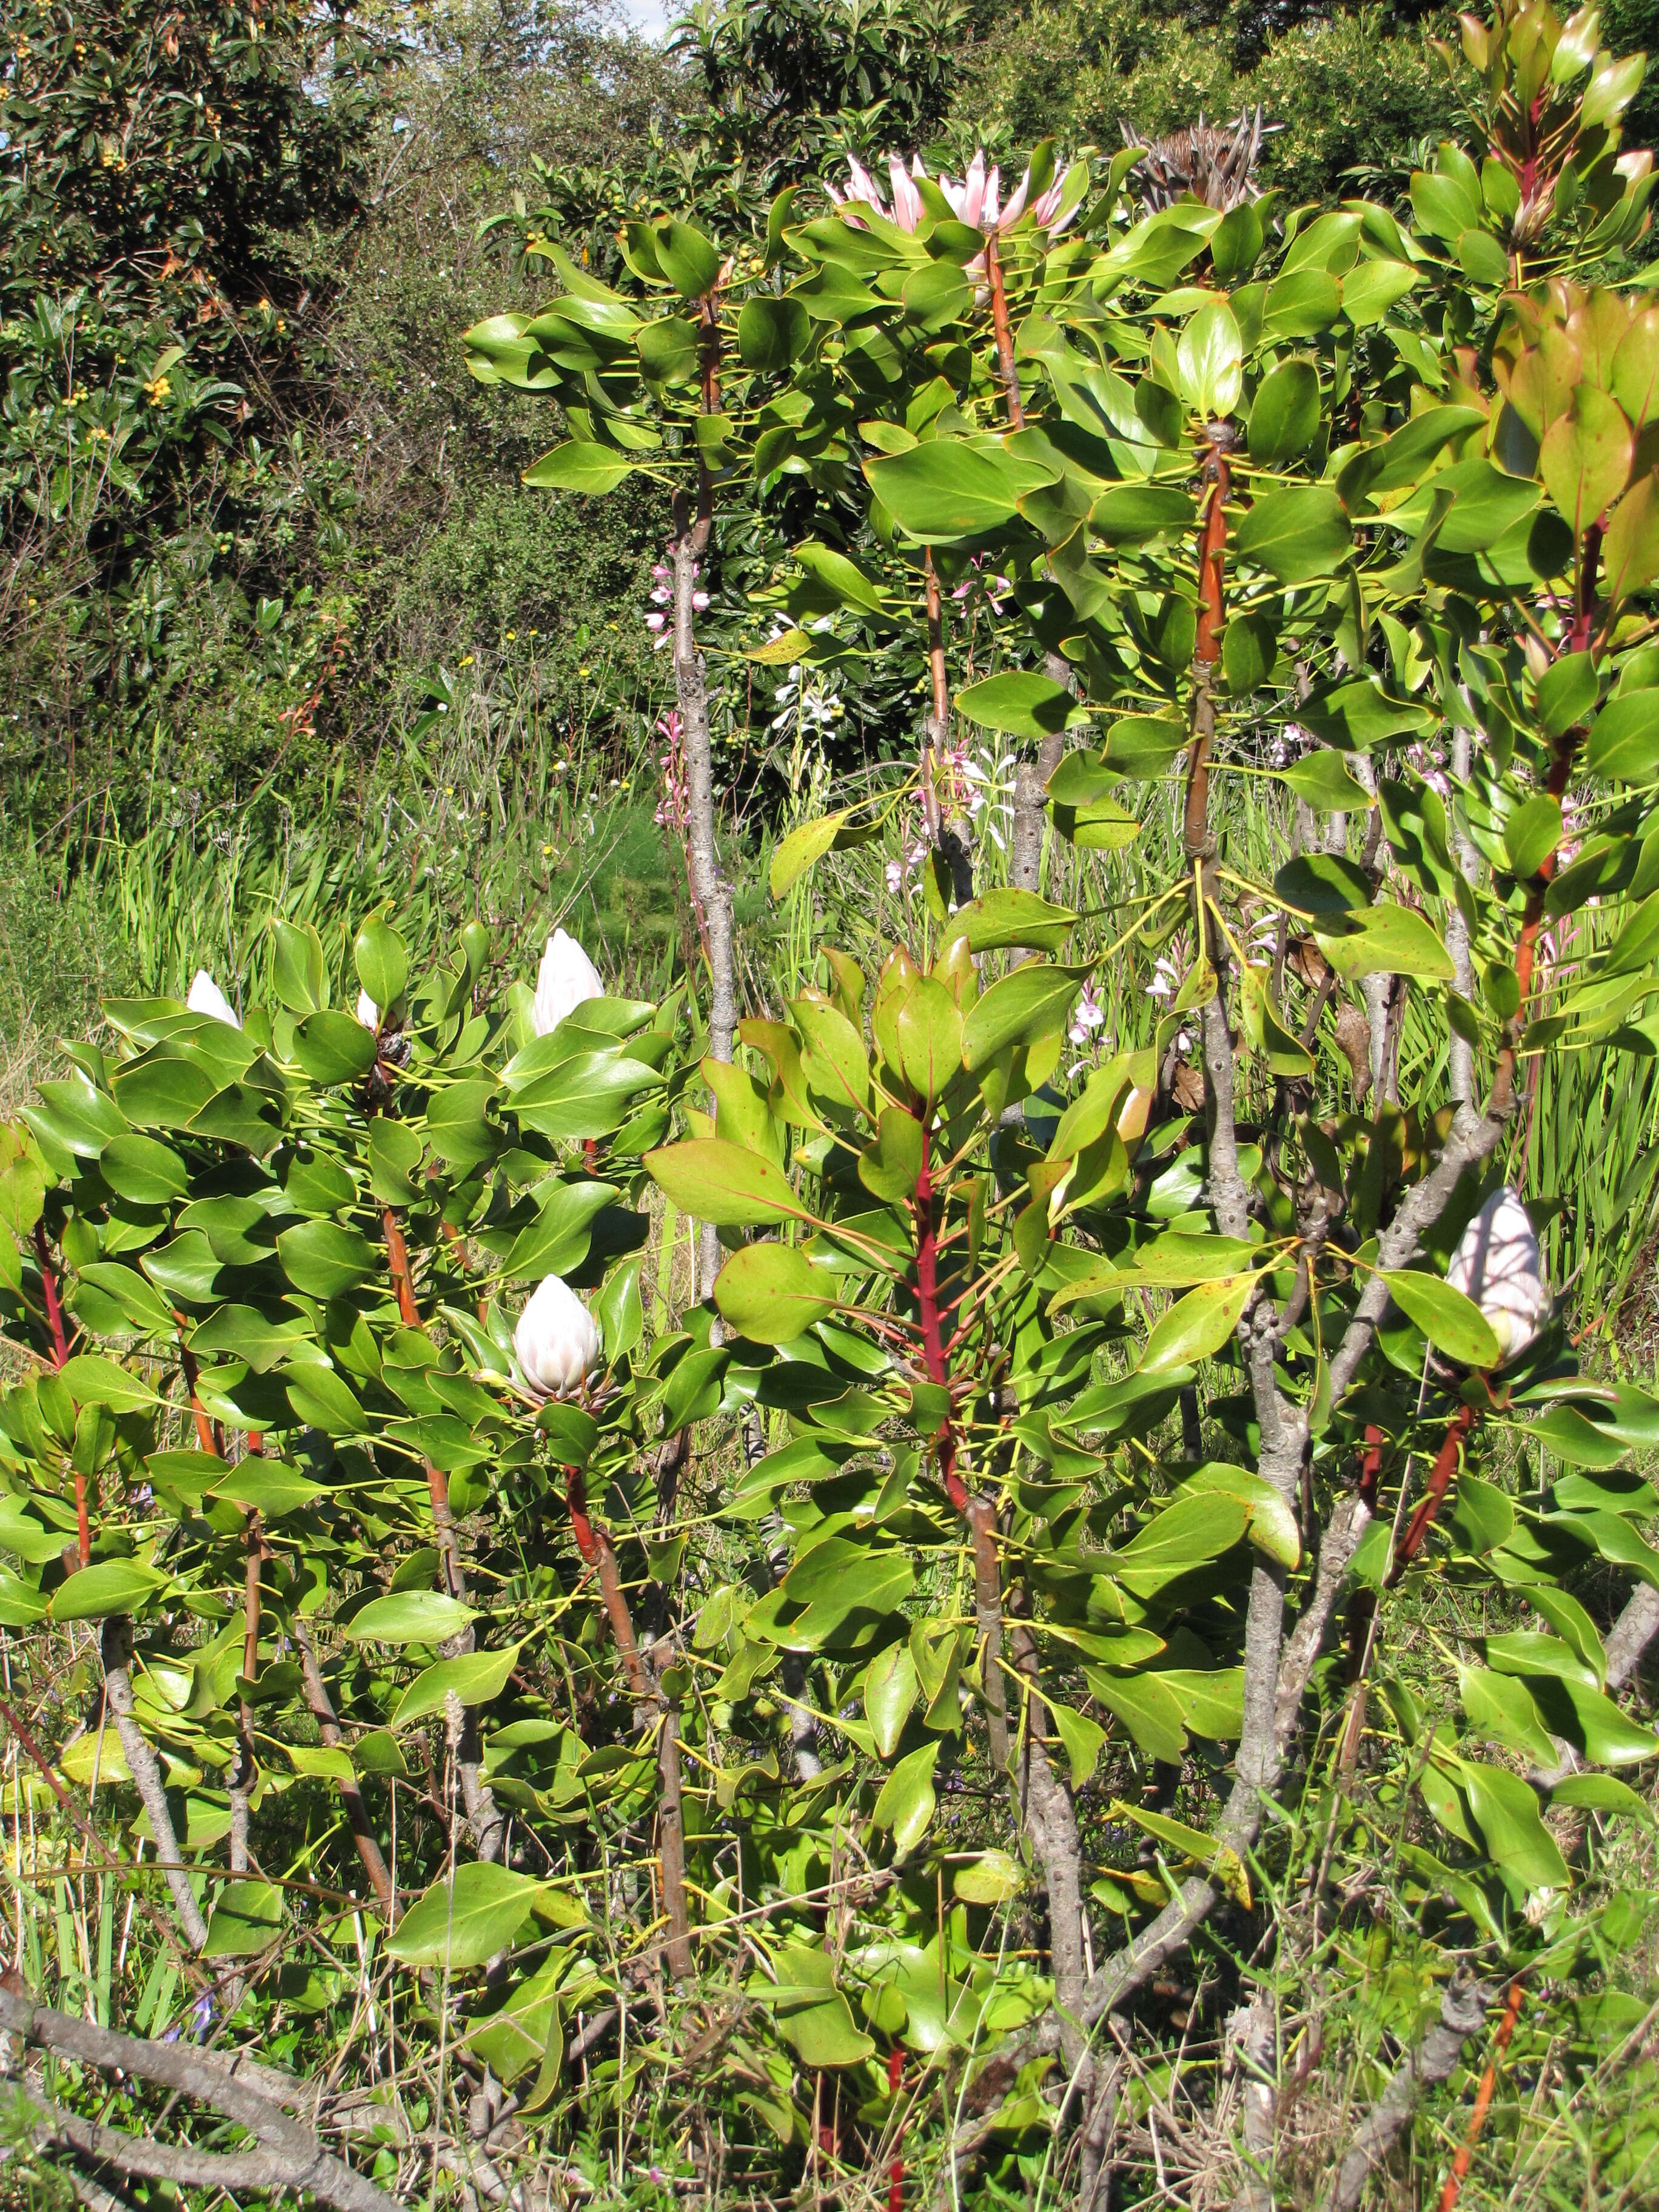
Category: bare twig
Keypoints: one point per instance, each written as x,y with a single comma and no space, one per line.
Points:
289,2155
1462,2009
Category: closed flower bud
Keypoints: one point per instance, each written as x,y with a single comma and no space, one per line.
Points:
206,997
1498,1265
367,1013
557,1339
566,979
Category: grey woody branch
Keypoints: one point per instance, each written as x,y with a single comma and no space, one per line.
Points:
288,2155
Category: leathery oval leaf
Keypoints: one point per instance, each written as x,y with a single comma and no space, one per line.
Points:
771,1293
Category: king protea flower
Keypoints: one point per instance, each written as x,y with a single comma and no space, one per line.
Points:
1498,1265
977,201
556,1340
206,997
566,978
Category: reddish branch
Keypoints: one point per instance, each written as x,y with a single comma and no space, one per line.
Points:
1483,2095
896,2170
979,1513
328,1727
59,1354
437,1482
598,1553
1004,335
1440,1480
1196,840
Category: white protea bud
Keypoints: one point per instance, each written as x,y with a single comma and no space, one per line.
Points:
367,1013
566,978
1498,1265
206,997
557,1339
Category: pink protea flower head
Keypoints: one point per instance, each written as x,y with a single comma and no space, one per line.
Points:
977,201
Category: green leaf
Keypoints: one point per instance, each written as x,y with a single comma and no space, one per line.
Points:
929,1028
1272,1523
1198,1325
92,1380
1506,1811
1189,1843
945,490
669,350
1388,941
1322,778
558,1240
890,1692
842,576
1296,532
772,1293
1454,1324
270,1486
991,1879
247,1916
1600,1793
409,1617
466,1923
1209,362
297,967
143,1170
333,1048
1084,1740
1249,647
824,2034
1005,916
688,257
1179,1538
161,1091
889,1167
771,333
1022,701
324,1258
907,1799
1148,1708
1032,1002
716,1181
474,1677
382,962
1132,514
1499,1707
112,1586
803,849
579,464
244,1333
586,1095
1624,744
1585,458
1532,833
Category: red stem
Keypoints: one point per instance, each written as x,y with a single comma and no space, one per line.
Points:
1440,1478
598,1552
49,1286
59,1354
896,2171
1004,335
933,1344
1483,2095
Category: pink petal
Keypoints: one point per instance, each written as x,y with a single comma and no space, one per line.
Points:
973,190
1016,207
907,200
863,187
993,191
